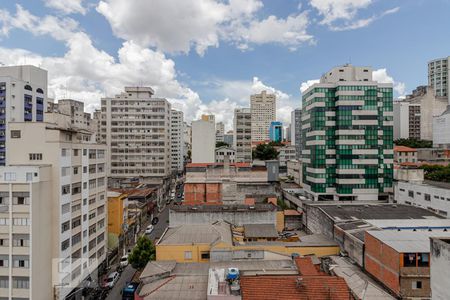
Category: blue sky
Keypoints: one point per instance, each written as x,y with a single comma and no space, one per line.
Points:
210,55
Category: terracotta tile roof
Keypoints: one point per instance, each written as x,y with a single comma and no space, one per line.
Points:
272,200
286,287
249,201
404,149
306,267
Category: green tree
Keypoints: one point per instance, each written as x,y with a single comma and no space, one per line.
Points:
414,143
265,152
220,144
142,253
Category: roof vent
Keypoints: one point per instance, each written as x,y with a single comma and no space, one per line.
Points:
251,207
194,208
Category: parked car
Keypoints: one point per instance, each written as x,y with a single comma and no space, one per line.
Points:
149,229
124,261
111,280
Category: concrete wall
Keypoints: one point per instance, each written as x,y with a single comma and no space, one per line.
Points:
316,221
203,141
238,218
353,246
440,269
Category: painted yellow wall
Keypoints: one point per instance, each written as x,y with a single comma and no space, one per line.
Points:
115,214
280,221
176,252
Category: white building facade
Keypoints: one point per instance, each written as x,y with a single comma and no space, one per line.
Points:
23,98
225,152
263,109
203,141
177,140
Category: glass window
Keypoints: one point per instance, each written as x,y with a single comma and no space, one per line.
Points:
409,259
188,255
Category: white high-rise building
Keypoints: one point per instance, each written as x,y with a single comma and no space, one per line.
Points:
187,138
438,76
177,141
220,131
242,134
54,191
136,128
23,98
203,141
264,111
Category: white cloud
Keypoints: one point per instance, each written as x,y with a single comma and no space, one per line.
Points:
342,14
59,28
305,85
382,76
67,6
201,24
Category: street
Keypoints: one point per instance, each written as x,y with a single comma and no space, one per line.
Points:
159,228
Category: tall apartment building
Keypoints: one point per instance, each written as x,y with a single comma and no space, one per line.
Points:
177,142
57,180
413,116
187,138
438,76
296,130
96,125
228,137
347,132
75,109
263,108
203,141
23,98
220,131
242,134
136,128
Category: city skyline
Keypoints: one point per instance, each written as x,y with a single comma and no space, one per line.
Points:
214,66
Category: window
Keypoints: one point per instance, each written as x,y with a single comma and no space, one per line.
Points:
65,189
4,221
9,176
4,261
187,255
21,261
4,282
76,152
423,259
15,134
65,226
65,171
409,259
21,283
205,255
411,194
427,197
416,285
35,156
4,242
21,221
65,244
21,240
75,170
63,152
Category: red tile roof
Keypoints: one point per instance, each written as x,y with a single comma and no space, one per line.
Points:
404,149
306,267
249,201
289,287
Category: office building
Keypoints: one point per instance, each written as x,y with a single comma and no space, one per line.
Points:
296,130
203,141
71,215
263,109
228,138
177,141
438,76
347,136
242,134
136,127
23,98
220,132
413,116
276,131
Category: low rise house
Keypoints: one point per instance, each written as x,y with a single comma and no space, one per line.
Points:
400,260
225,152
403,154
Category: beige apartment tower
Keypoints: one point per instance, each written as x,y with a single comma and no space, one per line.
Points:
242,134
264,111
137,130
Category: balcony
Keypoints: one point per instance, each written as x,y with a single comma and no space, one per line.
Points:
413,272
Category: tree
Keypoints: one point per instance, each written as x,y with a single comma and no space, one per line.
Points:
265,152
142,253
414,143
220,144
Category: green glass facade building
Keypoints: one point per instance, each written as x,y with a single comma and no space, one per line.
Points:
347,136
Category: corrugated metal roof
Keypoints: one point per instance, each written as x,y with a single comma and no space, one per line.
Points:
408,241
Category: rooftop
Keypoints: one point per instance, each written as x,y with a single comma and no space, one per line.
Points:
197,234
222,208
204,165
407,241
176,287
260,231
404,149
352,212
135,192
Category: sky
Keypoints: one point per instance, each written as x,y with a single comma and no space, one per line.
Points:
209,56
